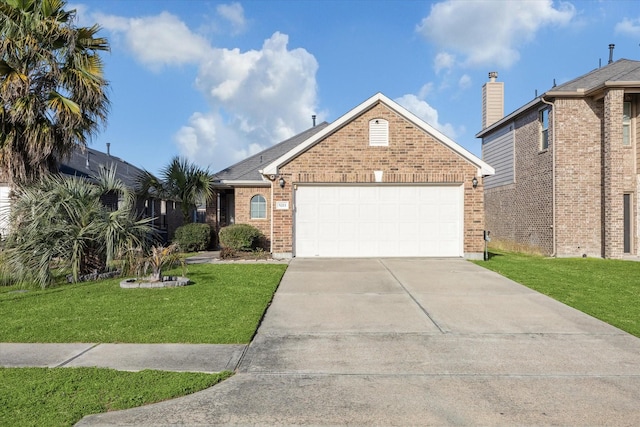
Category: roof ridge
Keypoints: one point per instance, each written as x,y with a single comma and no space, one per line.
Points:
600,70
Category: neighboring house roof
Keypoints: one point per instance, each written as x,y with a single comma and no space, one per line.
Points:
621,73
88,162
248,169
272,168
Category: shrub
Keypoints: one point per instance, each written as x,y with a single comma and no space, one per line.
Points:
227,253
60,225
193,237
241,237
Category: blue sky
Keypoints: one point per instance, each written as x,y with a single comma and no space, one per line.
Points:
218,81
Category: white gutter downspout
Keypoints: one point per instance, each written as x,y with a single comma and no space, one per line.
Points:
553,174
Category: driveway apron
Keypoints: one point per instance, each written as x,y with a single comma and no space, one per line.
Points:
415,342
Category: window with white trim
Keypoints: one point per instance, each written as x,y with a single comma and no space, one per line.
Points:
543,118
626,123
258,207
378,132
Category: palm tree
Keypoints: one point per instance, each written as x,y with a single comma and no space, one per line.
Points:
60,222
180,180
52,90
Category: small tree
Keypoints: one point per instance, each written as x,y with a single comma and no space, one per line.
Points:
60,222
179,180
161,257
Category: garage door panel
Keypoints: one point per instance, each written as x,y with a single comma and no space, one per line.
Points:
371,221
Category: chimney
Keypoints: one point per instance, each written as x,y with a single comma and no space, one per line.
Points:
611,47
492,100
108,149
313,119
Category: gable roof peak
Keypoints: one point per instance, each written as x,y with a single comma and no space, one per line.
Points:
272,168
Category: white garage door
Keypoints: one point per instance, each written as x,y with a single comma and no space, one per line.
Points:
378,221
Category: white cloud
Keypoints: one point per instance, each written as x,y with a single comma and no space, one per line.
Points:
443,61
426,112
628,27
209,142
490,32
161,40
425,90
256,98
465,82
268,95
234,13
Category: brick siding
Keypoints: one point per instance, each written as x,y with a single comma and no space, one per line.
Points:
243,197
578,177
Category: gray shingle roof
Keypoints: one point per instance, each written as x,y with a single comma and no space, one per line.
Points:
76,165
622,70
247,169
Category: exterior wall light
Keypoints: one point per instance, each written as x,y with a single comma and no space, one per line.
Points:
281,182
474,182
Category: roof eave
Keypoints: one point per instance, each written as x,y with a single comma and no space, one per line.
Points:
241,183
511,116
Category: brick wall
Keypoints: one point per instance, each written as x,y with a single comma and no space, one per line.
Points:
412,156
613,182
243,197
521,213
579,177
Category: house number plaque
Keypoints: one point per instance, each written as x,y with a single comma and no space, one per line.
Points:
282,205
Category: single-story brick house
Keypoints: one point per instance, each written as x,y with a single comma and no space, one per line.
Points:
379,181
567,165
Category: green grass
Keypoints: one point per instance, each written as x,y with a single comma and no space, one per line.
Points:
62,396
224,305
606,289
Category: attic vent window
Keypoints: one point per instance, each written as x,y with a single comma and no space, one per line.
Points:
378,132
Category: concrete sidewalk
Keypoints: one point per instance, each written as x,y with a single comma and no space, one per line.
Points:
124,357
415,342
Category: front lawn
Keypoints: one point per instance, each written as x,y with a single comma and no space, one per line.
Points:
223,306
606,289
62,396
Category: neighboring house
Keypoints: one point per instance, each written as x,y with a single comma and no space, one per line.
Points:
567,165
166,214
87,163
378,181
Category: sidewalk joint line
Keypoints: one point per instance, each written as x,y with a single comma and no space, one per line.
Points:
77,355
424,310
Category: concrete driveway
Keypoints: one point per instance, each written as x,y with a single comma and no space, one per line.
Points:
416,342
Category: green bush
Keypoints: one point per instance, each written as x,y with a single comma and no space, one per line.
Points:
241,237
227,253
193,237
